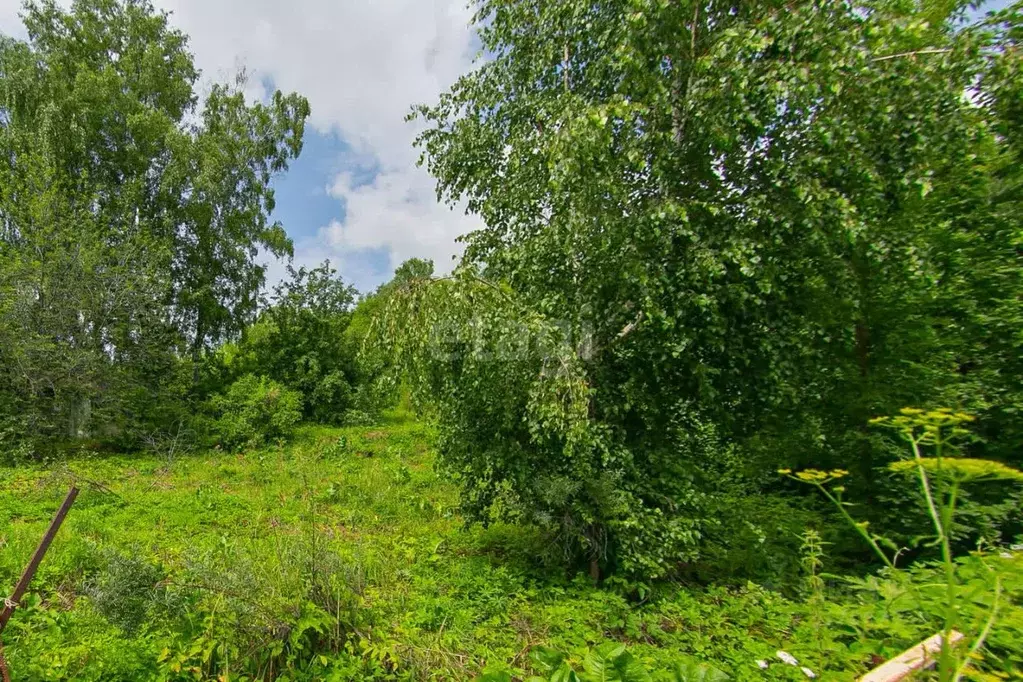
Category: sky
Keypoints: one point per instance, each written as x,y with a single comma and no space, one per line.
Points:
355,195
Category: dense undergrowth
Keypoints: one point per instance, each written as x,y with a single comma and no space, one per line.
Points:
341,556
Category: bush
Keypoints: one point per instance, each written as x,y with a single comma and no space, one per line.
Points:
755,537
301,341
269,609
126,590
988,513
331,399
253,411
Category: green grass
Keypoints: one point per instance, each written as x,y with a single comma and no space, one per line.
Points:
342,556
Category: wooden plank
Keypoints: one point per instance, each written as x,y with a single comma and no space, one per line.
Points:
919,657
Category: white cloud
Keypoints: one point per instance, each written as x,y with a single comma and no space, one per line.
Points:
362,64
398,208
10,24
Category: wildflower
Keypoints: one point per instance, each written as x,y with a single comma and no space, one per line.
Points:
784,472
961,469
812,475
762,664
786,657
809,673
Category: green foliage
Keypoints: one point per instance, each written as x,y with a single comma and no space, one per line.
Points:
253,411
718,239
987,513
125,589
225,166
302,340
773,220
882,611
130,219
379,387
982,512
940,478
527,448
358,418
609,662
692,671
755,537
336,449
289,563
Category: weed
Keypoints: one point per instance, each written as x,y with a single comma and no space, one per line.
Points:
126,589
940,478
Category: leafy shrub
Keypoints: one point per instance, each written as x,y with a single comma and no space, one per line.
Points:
986,511
125,590
16,452
301,341
988,494
739,294
271,609
521,438
754,537
331,398
253,411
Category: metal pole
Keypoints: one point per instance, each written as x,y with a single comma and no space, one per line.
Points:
11,602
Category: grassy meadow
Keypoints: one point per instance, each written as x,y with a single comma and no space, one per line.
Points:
342,556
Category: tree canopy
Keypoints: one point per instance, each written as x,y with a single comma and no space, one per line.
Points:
750,225
131,216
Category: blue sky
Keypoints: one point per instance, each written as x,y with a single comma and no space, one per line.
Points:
304,205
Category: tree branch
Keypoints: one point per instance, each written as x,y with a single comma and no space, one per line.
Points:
913,53
627,329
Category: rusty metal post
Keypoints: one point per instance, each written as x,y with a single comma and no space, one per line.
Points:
5,674
11,602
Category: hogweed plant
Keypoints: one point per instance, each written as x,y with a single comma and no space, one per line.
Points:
933,459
